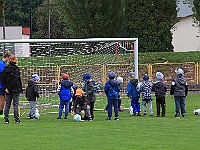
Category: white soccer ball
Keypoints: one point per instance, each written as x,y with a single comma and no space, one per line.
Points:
131,110
77,118
197,112
37,115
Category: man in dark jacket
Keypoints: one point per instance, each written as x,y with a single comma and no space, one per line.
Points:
89,90
12,85
179,89
32,94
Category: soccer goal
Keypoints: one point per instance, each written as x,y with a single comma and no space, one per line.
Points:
49,58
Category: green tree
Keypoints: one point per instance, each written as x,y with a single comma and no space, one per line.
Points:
93,18
17,12
196,10
151,22
58,22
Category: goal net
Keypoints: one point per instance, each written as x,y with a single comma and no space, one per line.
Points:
50,58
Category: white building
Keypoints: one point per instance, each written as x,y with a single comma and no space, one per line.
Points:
186,36
17,32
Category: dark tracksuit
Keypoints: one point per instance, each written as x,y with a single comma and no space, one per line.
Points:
160,90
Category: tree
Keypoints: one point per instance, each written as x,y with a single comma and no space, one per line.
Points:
58,22
17,11
151,21
196,10
93,18
195,4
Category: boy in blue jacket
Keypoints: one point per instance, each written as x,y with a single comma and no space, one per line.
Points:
65,94
111,90
133,94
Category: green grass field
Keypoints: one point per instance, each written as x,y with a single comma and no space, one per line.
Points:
130,132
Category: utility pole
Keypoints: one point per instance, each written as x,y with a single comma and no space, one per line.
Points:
30,15
49,21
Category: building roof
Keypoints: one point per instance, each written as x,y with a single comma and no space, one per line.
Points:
26,30
184,10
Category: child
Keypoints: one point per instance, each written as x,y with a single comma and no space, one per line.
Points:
111,90
81,103
146,94
160,90
32,94
120,81
179,90
88,88
65,95
133,94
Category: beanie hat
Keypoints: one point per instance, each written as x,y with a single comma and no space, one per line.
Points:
35,77
13,59
65,76
159,76
132,74
86,76
79,91
145,77
119,79
179,71
111,75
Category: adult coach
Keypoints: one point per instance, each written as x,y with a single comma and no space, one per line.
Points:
3,62
12,85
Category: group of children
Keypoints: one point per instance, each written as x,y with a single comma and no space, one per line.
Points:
84,98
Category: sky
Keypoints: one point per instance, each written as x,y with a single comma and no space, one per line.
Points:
184,10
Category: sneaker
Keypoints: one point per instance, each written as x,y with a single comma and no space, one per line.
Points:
34,118
183,115
134,114
177,116
151,115
138,114
6,121
158,115
59,117
108,118
2,116
89,119
65,117
144,114
17,121
116,118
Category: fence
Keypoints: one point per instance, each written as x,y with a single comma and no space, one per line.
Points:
50,75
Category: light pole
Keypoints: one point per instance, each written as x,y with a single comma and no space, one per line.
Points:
30,15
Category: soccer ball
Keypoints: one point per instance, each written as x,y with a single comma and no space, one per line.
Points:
37,115
197,112
77,118
131,110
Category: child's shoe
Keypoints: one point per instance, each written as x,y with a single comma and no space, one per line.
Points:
59,117
144,114
6,121
116,118
17,121
108,118
65,117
